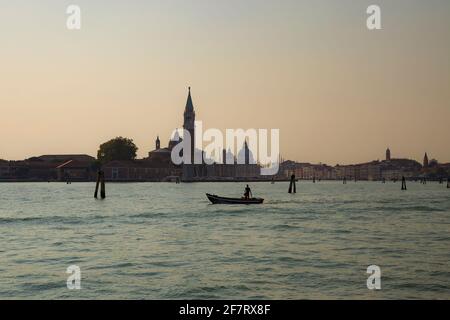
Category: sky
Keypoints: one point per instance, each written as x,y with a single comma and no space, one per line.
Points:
338,92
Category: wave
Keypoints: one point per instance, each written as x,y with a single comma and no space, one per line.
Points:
284,227
417,208
51,219
149,215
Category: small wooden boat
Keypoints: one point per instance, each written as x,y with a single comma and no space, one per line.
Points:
222,200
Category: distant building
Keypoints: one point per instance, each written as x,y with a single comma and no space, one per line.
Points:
286,169
306,171
157,166
64,157
49,168
389,169
445,169
139,171
4,169
161,156
76,170
345,171
314,171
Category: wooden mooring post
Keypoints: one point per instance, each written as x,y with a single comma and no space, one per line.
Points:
292,186
100,183
403,183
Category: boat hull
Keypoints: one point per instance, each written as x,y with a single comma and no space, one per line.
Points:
222,200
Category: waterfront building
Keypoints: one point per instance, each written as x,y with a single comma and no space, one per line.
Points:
48,168
63,158
397,168
374,171
76,170
139,171
4,169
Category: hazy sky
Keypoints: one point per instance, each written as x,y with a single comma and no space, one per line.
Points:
338,92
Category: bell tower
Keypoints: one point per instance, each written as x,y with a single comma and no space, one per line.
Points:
425,160
158,143
189,121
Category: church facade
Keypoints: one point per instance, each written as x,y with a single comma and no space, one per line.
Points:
158,165
216,171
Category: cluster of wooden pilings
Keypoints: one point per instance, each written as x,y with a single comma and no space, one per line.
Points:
292,186
403,183
100,183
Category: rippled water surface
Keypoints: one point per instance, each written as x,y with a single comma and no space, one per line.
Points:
148,241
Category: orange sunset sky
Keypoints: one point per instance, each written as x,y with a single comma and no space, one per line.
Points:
338,92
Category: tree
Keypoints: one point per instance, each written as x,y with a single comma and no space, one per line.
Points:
117,149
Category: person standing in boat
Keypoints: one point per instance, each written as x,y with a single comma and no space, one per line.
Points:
248,193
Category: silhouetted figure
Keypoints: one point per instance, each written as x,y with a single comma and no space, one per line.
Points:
403,183
345,180
384,180
248,193
292,186
441,181
314,179
448,183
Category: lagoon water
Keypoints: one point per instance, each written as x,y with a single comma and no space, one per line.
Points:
165,241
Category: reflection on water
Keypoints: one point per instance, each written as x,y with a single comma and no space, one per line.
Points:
166,241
